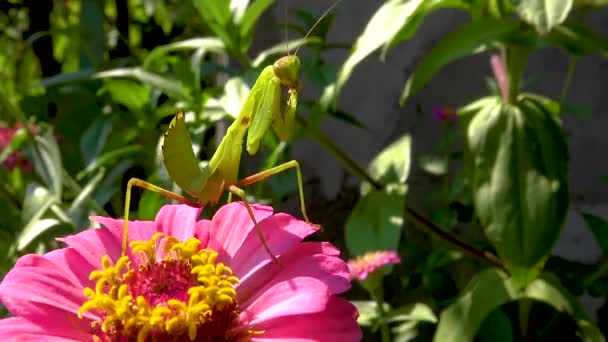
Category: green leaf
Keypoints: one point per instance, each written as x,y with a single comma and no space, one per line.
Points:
381,28
496,328
578,39
392,165
376,221
210,44
434,165
249,20
15,144
37,201
368,313
548,289
282,49
91,34
543,14
218,16
599,228
47,161
517,162
412,312
75,211
132,95
169,86
488,290
94,139
470,38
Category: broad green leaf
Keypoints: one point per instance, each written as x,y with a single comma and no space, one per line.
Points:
488,290
470,38
578,39
169,86
543,14
547,289
517,160
392,165
496,328
131,94
375,222
599,228
381,28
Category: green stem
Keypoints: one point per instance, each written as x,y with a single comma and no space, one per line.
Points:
568,79
600,272
324,141
378,296
515,60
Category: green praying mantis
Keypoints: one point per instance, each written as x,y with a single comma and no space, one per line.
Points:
261,112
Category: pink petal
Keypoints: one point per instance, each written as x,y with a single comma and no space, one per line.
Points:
37,287
311,259
281,232
231,224
92,244
297,295
178,220
21,329
137,231
73,265
336,323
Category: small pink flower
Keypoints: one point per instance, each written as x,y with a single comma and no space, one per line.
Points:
361,267
16,158
444,114
183,279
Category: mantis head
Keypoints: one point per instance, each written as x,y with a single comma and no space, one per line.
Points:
287,69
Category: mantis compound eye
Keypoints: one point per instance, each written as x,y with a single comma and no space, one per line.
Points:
287,69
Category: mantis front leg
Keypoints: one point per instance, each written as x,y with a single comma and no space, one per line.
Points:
274,170
148,186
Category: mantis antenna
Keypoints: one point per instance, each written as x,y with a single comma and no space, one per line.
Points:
329,9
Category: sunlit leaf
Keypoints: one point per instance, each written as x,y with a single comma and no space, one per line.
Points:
488,290
131,94
169,86
368,311
38,200
47,161
210,44
392,164
468,39
381,28
375,222
543,14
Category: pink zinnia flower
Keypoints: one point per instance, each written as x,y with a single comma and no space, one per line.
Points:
444,114
361,267
183,279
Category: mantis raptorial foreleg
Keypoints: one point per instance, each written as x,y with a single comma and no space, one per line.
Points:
148,186
241,193
274,170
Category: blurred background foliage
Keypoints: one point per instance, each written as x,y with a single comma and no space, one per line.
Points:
89,87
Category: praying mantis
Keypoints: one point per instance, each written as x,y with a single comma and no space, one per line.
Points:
261,112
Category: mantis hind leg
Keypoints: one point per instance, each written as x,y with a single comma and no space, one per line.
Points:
241,193
274,170
148,186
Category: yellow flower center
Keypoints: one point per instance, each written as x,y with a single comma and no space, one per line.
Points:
177,292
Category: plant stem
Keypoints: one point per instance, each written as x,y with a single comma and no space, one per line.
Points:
378,296
324,141
600,272
568,79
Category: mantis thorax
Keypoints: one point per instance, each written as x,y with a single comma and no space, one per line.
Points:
287,69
